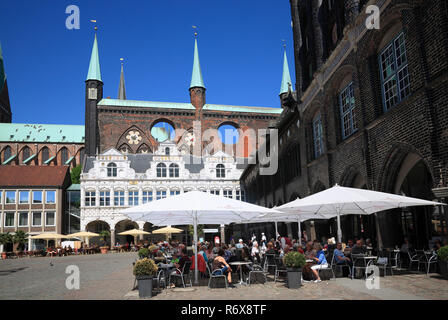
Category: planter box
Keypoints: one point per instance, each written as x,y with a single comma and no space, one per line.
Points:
443,265
145,286
294,278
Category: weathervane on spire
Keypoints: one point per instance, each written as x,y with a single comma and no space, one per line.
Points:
96,27
195,31
122,60
284,43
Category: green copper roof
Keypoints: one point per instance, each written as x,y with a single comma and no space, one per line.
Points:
50,133
69,160
94,67
9,159
286,78
146,104
2,70
188,106
196,77
217,107
74,187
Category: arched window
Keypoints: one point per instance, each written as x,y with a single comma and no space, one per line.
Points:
174,170
161,170
45,154
64,155
7,153
167,151
220,171
347,107
112,170
25,154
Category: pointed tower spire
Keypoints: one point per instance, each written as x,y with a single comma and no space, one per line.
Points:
121,86
94,67
196,78
5,106
286,78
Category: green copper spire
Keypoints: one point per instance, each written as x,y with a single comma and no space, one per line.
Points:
121,86
196,78
94,67
286,78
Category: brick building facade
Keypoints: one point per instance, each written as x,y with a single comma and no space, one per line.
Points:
369,111
114,123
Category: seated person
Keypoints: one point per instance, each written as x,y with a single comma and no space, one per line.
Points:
270,248
321,262
340,258
220,266
359,248
240,244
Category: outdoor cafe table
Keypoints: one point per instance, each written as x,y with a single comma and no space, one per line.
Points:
240,263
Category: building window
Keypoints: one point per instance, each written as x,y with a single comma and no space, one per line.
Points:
64,155
112,170
37,219
90,198
9,219
23,219
240,195
133,198
104,198
161,194
220,171
318,136
347,105
167,151
174,192
10,197
119,198
45,154
161,170
394,72
25,153
215,192
50,196
147,196
174,170
49,219
37,196
228,193
24,196
7,153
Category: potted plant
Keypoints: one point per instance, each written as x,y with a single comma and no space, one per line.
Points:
104,248
19,239
143,253
152,249
294,262
144,271
5,239
442,255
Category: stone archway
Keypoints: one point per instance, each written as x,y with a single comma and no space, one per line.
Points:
97,226
124,225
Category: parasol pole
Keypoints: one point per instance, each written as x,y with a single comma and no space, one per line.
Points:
299,229
195,248
338,210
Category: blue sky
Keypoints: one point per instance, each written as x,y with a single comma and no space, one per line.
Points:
46,64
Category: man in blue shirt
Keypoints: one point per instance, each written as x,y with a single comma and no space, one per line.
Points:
321,262
340,258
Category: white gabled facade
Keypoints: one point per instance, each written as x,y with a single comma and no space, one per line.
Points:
113,181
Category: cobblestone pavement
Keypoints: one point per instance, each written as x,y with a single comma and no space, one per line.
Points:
110,277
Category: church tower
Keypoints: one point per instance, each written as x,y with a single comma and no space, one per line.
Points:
5,106
94,93
197,88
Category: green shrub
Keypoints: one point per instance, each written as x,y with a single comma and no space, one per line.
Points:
143,253
442,253
294,259
145,267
